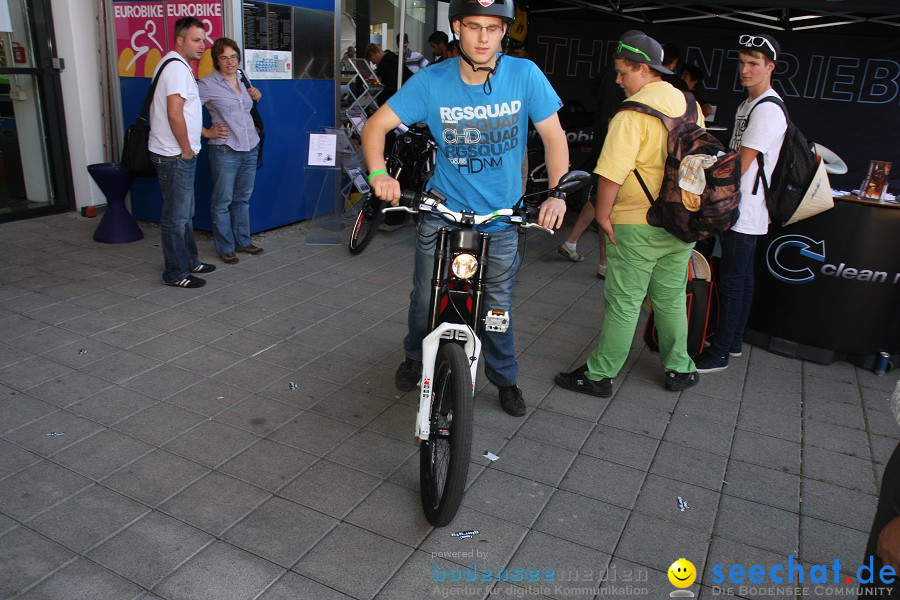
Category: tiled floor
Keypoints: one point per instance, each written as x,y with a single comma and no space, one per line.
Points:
245,440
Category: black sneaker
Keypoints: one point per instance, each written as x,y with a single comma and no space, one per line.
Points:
681,381
511,400
577,381
188,282
203,268
408,375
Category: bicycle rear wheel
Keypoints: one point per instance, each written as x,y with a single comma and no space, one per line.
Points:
366,223
444,457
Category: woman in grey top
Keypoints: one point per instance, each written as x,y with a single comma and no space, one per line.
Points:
233,149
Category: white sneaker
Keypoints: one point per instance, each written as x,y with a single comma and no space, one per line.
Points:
601,271
569,253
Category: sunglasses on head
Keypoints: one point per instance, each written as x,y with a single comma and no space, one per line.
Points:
623,46
755,41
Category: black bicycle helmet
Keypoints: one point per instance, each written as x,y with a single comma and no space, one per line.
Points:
505,9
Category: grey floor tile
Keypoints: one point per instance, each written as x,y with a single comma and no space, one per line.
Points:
535,460
771,388
828,389
394,512
493,546
659,498
280,531
758,525
556,429
155,477
835,438
268,464
26,557
637,418
294,587
214,503
205,330
251,374
305,392
507,496
159,423
162,381
111,405
208,397
351,406
68,388
725,553
583,520
765,486
45,340
416,579
653,542
83,579
210,443
689,465
839,469
81,353
882,448
621,447
258,414
881,423
625,578
18,409
313,433
207,360
835,412
14,459
398,422
220,571
604,480
576,405
330,488
773,424
694,404
150,549
37,488
101,454
31,372
702,434
166,347
362,572
822,542
766,451
121,366
542,552
75,523
129,334
838,505
372,453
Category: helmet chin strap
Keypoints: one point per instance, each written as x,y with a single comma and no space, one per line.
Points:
488,88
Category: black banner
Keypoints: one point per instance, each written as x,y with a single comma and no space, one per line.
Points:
842,91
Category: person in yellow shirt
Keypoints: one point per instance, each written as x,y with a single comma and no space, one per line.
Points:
641,257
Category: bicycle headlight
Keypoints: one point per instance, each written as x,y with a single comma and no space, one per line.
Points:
464,265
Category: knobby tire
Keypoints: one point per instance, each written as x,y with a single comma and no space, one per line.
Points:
444,457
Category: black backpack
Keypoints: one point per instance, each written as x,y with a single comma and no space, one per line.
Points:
719,201
793,173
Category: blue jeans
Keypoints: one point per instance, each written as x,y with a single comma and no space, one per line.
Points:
499,352
233,174
735,290
176,181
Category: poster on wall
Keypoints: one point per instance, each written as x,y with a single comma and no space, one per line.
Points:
144,33
267,64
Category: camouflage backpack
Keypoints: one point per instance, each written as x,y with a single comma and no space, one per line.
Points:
719,201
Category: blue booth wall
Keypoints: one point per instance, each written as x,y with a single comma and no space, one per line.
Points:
285,191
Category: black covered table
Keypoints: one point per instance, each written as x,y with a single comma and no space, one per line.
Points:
828,287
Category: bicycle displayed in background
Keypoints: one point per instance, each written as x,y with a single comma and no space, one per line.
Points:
411,162
450,352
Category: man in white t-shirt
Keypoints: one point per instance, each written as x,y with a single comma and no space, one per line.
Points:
176,125
763,134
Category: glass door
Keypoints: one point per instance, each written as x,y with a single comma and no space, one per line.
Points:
34,173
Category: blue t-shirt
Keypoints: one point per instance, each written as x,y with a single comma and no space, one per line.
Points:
481,138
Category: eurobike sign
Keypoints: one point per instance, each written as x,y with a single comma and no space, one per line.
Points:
793,258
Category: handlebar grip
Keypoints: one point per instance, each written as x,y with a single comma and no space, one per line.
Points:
408,198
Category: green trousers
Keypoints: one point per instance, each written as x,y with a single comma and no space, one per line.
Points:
646,259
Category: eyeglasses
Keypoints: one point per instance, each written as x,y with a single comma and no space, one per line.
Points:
229,58
476,28
755,41
622,46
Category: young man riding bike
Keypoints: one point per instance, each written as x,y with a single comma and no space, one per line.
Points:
477,107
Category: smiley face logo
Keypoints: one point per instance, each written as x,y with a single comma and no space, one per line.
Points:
682,573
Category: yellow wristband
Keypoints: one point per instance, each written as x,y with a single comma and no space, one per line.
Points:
376,173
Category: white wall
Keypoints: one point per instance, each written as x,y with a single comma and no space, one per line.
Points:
75,24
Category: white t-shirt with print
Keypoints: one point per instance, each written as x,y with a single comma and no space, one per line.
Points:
175,79
765,134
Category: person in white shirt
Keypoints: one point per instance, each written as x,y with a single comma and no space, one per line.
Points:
761,135
413,60
175,129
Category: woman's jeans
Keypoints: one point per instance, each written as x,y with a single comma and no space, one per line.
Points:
233,175
736,279
176,181
498,349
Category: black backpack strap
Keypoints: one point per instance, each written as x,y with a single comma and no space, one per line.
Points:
760,171
145,108
244,79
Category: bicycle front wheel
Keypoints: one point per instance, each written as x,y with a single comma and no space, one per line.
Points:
444,457
366,224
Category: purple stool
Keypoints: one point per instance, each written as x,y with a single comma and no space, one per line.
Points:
117,225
